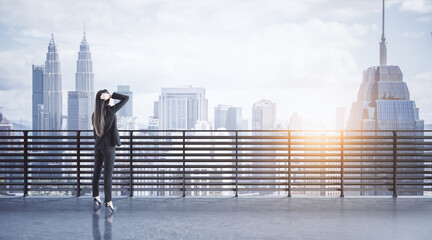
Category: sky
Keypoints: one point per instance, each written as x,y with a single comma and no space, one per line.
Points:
306,56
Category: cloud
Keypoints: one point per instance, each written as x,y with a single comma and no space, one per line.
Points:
14,72
426,19
420,6
16,103
413,34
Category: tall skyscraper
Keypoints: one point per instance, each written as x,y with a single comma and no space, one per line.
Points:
78,110
228,117
234,119
37,97
220,116
127,110
383,101
52,89
80,101
264,115
181,108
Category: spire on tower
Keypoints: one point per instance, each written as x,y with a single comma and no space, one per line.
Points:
52,46
383,17
383,43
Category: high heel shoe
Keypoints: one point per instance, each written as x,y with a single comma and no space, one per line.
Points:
97,202
112,208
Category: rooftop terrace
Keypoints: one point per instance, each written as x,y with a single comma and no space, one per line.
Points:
217,218
372,185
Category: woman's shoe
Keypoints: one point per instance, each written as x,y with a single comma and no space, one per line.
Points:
97,202
112,208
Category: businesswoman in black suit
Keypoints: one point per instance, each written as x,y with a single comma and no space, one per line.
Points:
106,138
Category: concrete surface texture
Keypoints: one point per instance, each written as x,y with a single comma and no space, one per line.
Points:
217,218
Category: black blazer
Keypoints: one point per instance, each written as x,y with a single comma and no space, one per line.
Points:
110,137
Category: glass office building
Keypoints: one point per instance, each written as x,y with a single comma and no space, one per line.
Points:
37,97
383,102
78,110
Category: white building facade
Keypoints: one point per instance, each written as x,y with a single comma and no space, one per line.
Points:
181,108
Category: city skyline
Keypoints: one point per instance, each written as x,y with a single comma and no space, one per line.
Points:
262,61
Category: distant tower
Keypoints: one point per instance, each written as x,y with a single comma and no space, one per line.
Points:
126,121
234,119
37,97
220,116
52,89
228,117
80,101
127,110
84,77
264,115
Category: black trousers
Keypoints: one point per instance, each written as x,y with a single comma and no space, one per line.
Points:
105,156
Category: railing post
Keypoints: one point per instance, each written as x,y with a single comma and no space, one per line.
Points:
236,157
394,164
25,163
78,163
184,163
289,164
342,194
130,164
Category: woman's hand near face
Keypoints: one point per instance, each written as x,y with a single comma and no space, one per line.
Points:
105,96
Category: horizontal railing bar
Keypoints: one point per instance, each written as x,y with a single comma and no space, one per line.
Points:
223,172
222,166
240,131
226,178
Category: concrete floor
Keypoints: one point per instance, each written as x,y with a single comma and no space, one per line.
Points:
217,218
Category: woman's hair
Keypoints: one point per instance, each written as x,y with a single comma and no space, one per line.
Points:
99,113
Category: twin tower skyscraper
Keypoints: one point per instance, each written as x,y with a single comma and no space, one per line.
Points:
47,96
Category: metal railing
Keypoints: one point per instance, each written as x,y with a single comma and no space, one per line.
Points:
218,163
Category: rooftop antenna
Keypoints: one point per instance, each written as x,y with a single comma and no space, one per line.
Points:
383,43
383,18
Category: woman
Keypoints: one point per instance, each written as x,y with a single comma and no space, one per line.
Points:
106,138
